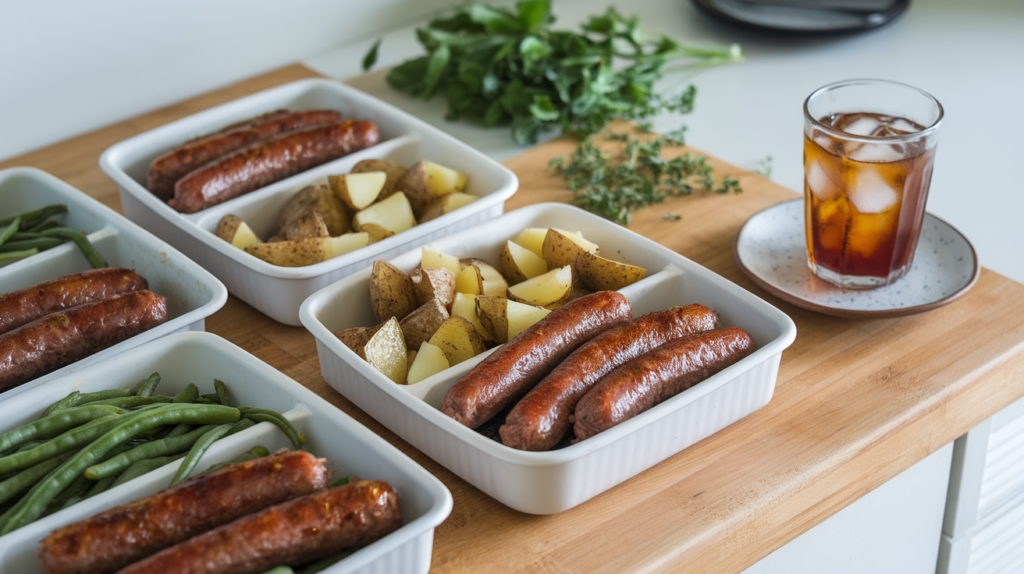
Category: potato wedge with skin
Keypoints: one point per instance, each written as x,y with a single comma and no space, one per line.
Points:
318,197
393,213
465,306
408,365
521,317
550,290
433,283
386,351
392,170
298,253
391,293
506,318
446,204
458,339
355,338
532,238
519,263
421,324
426,181
309,225
430,360
468,280
376,232
443,180
434,258
232,229
343,244
357,190
600,274
562,248
492,282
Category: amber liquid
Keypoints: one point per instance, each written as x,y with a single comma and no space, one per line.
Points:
865,202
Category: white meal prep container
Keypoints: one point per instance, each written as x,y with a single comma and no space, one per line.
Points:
349,447
550,482
279,291
192,292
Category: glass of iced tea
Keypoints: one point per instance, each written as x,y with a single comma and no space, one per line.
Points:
869,146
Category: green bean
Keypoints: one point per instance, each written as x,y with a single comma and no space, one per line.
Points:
240,426
91,255
10,230
206,401
25,244
256,452
88,398
187,395
14,255
55,424
27,478
211,396
267,415
6,516
162,447
131,425
66,441
41,213
143,466
321,565
197,451
67,402
341,481
280,570
222,392
70,495
100,486
148,387
43,225
179,430
134,402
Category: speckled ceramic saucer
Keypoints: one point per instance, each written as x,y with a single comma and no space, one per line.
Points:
771,249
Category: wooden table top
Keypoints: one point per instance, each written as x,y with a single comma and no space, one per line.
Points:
856,403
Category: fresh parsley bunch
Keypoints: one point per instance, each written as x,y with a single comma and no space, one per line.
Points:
502,67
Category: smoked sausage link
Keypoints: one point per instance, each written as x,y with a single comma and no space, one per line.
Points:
61,338
167,169
542,418
115,538
268,161
21,307
296,532
515,367
657,376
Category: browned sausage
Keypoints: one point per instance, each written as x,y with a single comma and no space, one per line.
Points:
122,535
167,169
272,160
542,417
657,376
303,530
20,307
64,337
515,367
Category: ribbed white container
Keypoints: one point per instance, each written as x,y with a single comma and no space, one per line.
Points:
550,482
198,358
192,292
278,291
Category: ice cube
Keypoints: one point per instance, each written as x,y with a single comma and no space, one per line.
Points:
875,153
902,127
862,127
820,183
870,193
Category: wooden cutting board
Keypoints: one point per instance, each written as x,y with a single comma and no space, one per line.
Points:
856,403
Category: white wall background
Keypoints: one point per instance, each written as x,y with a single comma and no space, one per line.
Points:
71,66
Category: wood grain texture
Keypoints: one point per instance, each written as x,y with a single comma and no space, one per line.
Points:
857,401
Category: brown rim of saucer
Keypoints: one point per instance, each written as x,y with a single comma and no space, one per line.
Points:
850,313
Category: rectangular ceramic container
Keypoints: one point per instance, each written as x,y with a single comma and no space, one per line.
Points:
192,292
278,291
199,358
550,482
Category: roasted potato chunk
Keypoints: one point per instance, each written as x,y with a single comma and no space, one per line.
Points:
355,338
426,181
519,263
600,274
318,197
505,318
562,248
393,214
465,306
357,190
421,324
232,229
376,232
386,351
429,361
433,283
550,290
392,170
391,293
458,339
434,258
298,253
446,204
309,225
